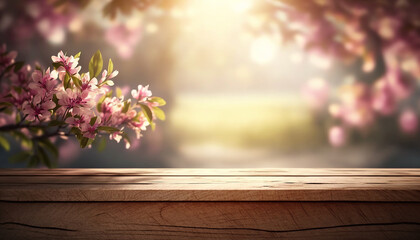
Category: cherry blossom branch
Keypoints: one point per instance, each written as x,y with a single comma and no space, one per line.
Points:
63,101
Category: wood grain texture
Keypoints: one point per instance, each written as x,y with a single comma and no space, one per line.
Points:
210,185
210,204
209,220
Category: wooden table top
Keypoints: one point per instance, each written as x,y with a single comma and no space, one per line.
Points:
273,184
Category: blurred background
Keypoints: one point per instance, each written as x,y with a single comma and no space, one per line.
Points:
248,83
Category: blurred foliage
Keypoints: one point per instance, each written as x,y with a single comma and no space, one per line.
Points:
281,123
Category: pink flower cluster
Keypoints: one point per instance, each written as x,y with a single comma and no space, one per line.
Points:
76,103
375,42
360,105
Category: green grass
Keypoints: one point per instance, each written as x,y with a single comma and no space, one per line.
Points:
277,122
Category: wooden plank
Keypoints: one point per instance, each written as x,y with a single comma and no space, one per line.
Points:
369,172
226,181
40,185
209,220
74,193
210,204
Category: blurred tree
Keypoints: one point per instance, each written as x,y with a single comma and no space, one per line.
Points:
376,43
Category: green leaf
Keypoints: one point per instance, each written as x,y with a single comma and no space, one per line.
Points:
159,100
76,132
118,92
109,94
84,142
18,66
110,66
93,120
66,82
90,141
99,107
4,143
8,111
56,65
38,67
17,89
20,157
101,144
77,55
108,129
6,104
95,64
33,161
24,140
55,99
126,107
102,99
159,113
43,156
77,81
47,144
153,126
147,112
18,118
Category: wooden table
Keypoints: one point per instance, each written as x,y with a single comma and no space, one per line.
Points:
210,204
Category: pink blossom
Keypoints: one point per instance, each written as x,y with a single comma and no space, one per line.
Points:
75,100
90,130
107,78
38,111
111,111
88,85
19,97
21,77
337,136
78,120
408,121
142,93
68,65
115,136
35,95
43,85
138,125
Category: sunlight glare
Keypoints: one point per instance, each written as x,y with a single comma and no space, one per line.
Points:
263,50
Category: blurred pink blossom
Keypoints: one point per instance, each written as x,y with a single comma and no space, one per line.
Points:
337,136
124,39
383,100
356,109
400,84
408,121
316,92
